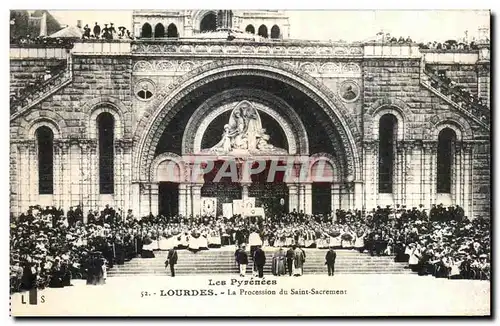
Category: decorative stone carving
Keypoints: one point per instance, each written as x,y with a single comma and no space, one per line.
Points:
308,67
171,99
349,91
243,134
242,48
145,89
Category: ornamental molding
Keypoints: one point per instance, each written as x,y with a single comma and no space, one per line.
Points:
340,127
246,49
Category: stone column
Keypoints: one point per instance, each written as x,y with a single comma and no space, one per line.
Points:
308,198
196,198
154,198
24,188
118,174
467,177
189,206
66,172
293,200
182,199
56,197
126,174
399,175
335,191
33,193
370,171
135,199
429,173
456,181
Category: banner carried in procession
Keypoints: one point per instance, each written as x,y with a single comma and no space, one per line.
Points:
227,210
209,206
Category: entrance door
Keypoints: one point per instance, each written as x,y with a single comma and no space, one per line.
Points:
321,198
168,201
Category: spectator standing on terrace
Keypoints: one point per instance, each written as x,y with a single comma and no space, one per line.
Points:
47,75
97,31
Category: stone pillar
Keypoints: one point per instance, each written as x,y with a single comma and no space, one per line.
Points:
399,175
66,172
33,173
127,174
358,195
154,198
24,188
308,198
467,177
189,206
182,199
293,200
56,197
118,174
196,198
457,168
93,174
135,199
370,170
335,192
429,173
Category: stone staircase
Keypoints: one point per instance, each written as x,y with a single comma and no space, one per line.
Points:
221,261
437,86
41,92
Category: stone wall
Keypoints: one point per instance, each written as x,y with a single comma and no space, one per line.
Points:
388,86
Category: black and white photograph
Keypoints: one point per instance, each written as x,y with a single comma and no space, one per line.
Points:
229,162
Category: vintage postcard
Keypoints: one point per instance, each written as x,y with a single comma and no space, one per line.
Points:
250,163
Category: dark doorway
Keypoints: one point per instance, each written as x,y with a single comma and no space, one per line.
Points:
321,198
168,199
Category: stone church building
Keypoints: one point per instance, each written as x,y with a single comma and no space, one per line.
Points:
114,116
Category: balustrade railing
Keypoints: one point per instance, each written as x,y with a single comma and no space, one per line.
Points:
462,98
37,90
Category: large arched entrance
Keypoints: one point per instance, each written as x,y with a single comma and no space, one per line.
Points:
292,96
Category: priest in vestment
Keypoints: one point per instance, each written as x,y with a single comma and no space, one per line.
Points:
299,257
278,267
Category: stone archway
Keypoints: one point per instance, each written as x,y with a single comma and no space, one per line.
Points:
166,105
268,103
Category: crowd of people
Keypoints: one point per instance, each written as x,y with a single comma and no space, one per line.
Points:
458,94
450,45
106,32
48,247
42,41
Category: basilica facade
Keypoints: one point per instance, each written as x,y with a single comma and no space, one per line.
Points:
125,122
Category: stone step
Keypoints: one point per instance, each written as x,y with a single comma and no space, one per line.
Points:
221,261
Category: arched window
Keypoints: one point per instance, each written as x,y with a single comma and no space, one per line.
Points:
446,142
146,31
387,144
208,23
106,129
159,30
275,32
45,142
172,31
250,29
263,31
